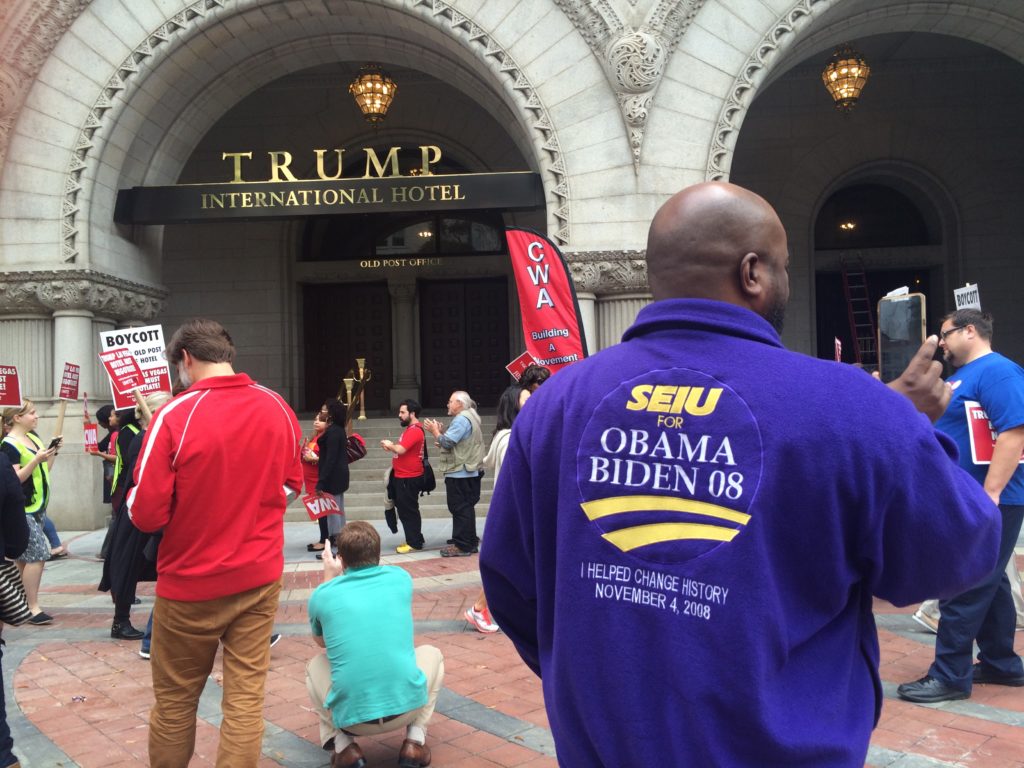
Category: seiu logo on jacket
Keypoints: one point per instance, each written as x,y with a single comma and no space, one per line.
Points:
671,475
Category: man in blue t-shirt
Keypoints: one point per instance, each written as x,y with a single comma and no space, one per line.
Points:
985,417
371,679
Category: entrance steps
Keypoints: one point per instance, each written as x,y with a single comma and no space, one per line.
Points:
364,499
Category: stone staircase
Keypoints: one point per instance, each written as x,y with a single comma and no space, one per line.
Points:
364,499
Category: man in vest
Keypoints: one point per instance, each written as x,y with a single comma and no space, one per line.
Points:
462,453
219,494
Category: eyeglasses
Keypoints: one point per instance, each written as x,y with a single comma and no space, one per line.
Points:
944,334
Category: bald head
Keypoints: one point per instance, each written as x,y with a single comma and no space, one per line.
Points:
720,241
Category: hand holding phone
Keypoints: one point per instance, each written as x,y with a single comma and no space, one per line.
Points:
55,443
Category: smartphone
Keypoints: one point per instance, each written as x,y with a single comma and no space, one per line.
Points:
53,443
901,332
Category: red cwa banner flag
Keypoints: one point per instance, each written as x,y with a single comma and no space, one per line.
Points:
547,300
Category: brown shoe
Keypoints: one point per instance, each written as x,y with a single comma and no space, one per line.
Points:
350,757
413,755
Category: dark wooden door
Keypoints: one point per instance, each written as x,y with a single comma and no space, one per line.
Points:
464,339
342,322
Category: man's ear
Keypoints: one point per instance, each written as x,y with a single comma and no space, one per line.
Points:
751,274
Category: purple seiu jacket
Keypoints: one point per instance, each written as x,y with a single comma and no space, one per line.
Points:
687,534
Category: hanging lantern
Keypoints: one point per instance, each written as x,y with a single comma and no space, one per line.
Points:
844,76
373,91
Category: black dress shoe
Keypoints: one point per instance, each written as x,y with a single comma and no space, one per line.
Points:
985,675
931,690
125,631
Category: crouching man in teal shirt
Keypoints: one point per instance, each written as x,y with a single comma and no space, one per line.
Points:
371,679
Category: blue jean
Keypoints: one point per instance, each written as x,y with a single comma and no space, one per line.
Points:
51,533
6,742
984,613
147,639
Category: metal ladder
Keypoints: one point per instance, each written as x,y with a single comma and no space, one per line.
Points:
858,311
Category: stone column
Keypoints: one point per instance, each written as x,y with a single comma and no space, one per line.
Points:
101,382
72,343
26,342
588,315
403,334
616,313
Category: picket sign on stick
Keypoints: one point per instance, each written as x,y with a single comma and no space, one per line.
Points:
58,430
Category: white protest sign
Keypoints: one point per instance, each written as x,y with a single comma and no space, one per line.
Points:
146,347
967,297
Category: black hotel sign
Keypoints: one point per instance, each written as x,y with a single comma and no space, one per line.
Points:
381,190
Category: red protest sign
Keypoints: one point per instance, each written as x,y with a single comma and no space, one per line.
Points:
69,382
552,326
981,433
10,387
146,346
520,364
92,443
318,505
125,374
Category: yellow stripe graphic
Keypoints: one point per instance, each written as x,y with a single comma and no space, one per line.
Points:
642,535
616,505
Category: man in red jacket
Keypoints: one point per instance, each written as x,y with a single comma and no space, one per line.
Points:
216,470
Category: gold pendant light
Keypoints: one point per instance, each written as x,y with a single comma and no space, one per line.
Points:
844,76
373,91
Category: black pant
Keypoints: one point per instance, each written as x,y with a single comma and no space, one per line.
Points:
407,502
984,613
463,495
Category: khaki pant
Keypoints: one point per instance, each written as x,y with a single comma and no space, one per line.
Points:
185,640
318,683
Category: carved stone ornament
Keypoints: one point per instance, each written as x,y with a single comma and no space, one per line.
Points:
634,56
606,273
103,295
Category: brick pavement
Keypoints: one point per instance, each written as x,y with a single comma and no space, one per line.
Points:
78,698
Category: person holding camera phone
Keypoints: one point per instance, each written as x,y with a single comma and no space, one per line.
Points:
32,462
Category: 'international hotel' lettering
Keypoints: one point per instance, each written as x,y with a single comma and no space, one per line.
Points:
341,196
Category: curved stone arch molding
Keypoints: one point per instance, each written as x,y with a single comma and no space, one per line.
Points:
176,28
634,56
784,35
29,31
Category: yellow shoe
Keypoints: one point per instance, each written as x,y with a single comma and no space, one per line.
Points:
405,549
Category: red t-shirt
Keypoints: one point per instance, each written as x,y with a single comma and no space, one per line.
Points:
410,463
310,470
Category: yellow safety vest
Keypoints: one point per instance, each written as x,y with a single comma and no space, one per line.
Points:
117,455
40,475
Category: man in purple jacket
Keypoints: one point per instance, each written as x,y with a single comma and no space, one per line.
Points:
689,526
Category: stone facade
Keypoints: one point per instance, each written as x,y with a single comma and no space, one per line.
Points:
616,104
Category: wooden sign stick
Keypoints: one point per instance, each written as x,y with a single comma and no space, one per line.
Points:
59,428
142,404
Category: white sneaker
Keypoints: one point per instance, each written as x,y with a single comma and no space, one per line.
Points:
926,621
144,654
274,639
481,620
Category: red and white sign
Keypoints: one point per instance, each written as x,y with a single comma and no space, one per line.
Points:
520,364
125,374
839,350
547,300
134,358
69,382
981,433
10,387
319,505
92,442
